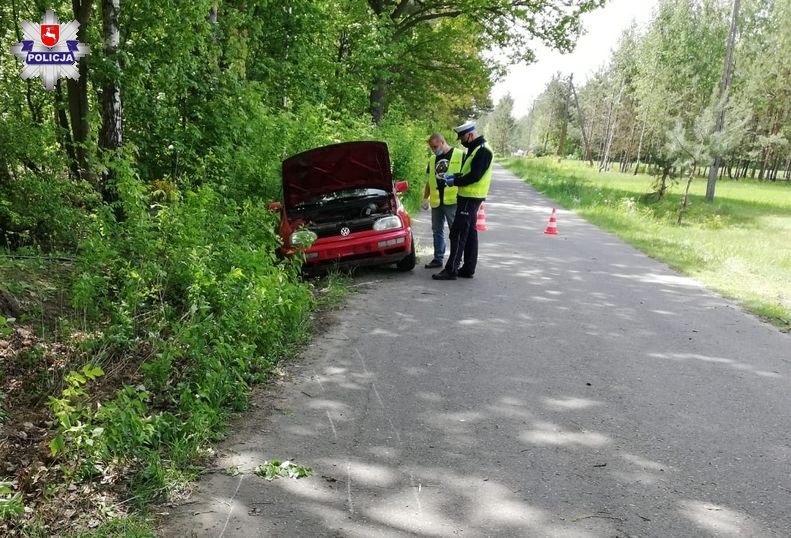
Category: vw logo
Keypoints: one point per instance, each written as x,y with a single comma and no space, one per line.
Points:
345,231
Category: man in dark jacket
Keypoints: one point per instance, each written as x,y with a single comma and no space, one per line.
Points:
473,184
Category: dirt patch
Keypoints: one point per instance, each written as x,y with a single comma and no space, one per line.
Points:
43,345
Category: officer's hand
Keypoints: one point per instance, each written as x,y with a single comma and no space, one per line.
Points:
450,179
424,205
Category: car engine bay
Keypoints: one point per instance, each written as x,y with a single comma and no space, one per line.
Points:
326,218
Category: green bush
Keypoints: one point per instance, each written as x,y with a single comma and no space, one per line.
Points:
198,285
45,211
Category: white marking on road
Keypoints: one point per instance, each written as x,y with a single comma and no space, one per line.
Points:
318,380
334,431
362,360
230,510
416,491
379,397
349,486
384,409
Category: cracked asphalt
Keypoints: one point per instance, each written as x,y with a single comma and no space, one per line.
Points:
574,388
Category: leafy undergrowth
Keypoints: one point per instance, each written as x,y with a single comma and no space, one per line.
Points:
119,369
61,414
738,244
43,494
40,341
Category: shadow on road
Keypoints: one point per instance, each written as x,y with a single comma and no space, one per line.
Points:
574,388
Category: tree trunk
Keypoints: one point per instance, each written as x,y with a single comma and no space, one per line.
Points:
685,201
763,164
562,142
78,96
378,99
581,118
640,146
564,124
663,182
625,163
64,131
111,135
592,129
343,46
724,86
35,110
612,122
549,128
531,121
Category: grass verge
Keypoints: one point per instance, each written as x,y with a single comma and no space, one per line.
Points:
738,245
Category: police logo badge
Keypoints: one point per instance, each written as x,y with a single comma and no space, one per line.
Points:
50,50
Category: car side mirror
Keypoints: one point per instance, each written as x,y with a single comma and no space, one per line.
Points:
275,206
401,186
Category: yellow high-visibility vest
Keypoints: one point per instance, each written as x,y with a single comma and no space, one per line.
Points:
480,188
454,167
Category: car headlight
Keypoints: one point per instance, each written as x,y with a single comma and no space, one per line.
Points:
387,223
302,238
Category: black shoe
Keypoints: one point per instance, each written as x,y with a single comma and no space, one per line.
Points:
444,275
434,264
464,274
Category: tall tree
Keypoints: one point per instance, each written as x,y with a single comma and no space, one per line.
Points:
500,126
581,119
78,96
727,73
563,116
509,25
111,135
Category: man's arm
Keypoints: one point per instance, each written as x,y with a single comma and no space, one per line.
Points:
480,163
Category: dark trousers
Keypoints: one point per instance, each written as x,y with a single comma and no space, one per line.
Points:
464,237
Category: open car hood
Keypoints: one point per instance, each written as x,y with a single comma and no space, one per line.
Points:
349,165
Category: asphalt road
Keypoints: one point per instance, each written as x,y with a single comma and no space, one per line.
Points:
575,388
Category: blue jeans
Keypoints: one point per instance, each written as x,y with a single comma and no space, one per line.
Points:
438,217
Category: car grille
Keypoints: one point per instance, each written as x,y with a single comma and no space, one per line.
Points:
333,229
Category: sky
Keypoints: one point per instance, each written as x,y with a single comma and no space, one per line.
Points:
602,27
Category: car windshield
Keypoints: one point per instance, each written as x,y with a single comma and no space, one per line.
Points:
334,196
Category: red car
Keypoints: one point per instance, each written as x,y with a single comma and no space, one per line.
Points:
341,208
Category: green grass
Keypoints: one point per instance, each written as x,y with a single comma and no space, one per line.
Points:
739,245
130,527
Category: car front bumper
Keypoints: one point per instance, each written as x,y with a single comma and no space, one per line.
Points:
363,248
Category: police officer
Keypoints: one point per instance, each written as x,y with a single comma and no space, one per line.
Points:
442,198
473,184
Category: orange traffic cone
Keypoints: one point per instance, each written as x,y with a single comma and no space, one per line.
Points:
552,227
480,224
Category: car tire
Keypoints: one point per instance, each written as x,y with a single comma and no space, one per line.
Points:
408,263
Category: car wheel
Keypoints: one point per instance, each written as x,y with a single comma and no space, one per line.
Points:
408,263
